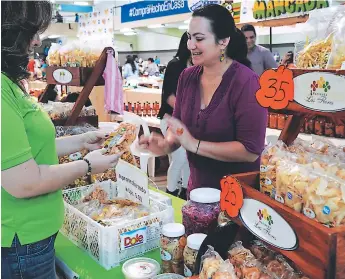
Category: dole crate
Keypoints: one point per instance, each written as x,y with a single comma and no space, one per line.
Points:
321,251
103,244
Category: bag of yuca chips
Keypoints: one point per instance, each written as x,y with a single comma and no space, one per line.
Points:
121,140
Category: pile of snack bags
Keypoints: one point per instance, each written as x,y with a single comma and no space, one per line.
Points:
324,47
58,110
256,262
73,54
110,211
308,177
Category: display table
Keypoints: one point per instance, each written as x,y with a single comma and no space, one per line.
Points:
81,263
37,84
142,94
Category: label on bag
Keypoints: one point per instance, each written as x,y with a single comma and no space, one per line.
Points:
133,183
133,238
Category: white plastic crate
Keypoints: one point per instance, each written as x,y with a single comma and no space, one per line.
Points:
103,244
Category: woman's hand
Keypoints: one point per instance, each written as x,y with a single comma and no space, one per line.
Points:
100,163
155,143
182,134
94,140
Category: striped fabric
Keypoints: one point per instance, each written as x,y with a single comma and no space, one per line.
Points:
113,93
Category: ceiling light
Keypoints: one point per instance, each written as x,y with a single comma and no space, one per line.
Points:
54,36
126,30
183,27
81,3
129,33
155,26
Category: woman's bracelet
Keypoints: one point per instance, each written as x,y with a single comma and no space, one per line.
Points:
197,149
89,168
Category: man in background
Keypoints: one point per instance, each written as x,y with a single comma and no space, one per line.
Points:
152,67
58,17
260,57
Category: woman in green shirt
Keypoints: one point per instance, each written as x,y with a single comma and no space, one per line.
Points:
32,179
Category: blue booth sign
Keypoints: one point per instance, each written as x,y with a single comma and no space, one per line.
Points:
153,9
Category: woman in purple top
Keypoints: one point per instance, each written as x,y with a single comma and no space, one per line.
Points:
216,117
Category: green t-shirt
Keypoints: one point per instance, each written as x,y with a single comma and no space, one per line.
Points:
27,133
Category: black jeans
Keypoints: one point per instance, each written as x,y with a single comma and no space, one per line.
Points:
32,261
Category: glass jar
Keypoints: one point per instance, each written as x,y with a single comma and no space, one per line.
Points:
340,131
309,126
273,121
190,252
200,213
173,242
281,121
320,126
329,129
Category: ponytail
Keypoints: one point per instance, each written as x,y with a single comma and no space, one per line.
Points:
237,48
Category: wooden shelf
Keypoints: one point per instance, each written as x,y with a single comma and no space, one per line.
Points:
321,250
78,76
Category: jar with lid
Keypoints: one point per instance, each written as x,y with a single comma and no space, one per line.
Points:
340,131
320,126
200,213
329,129
173,242
190,252
273,121
309,126
281,121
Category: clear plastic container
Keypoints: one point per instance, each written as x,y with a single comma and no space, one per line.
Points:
140,268
173,242
168,276
200,213
190,252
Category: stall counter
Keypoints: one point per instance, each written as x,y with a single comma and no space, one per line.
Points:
87,268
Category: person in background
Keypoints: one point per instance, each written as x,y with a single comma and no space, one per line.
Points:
76,18
288,60
46,50
152,67
44,68
31,177
130,69
260,57
58,17
73,97
157,60
31,67
215,104
178,159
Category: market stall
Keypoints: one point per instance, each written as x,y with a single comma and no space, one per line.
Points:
289,217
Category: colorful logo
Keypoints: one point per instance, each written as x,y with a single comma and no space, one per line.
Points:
320,84
133,238
265,216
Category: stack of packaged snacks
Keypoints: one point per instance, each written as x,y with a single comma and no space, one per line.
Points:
308,177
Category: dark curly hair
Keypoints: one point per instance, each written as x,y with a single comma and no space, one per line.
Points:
20,22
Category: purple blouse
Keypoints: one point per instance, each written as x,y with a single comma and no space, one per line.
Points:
232,115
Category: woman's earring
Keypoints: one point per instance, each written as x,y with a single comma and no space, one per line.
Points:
222,55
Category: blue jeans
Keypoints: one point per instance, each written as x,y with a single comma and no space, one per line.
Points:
32,261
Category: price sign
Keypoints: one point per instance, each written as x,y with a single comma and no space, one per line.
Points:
231,197
276,88
133,183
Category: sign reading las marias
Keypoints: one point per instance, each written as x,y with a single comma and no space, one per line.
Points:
264,9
